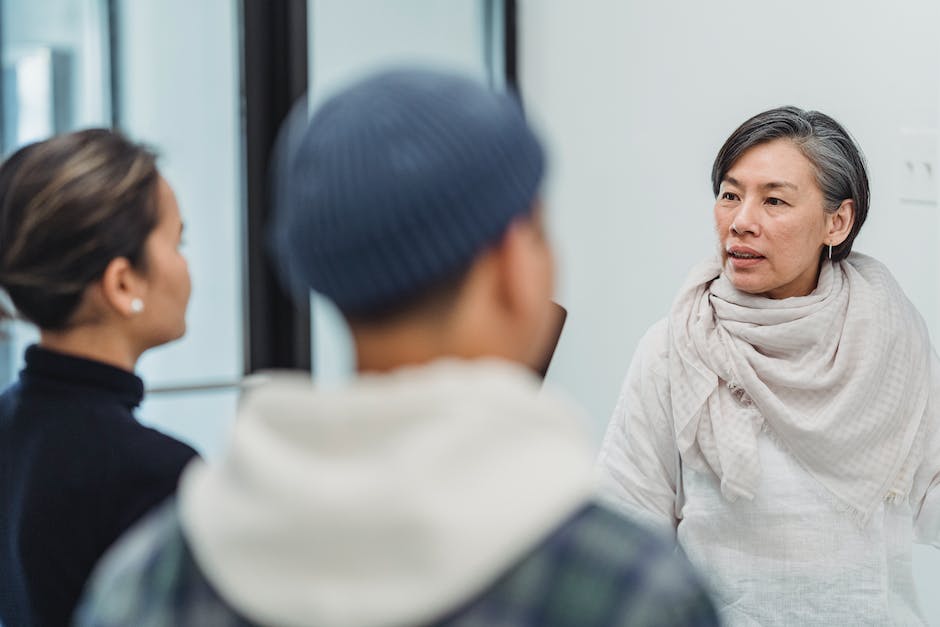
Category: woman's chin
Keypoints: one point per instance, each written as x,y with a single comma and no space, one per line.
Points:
746,283
169,336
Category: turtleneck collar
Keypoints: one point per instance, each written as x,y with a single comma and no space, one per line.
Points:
50,368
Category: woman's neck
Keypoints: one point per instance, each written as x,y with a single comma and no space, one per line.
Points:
92,342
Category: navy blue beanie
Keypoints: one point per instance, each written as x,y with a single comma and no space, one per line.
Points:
399,182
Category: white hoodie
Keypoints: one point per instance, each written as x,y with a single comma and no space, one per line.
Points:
388,502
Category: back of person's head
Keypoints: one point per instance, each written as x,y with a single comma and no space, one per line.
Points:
85,210
404,187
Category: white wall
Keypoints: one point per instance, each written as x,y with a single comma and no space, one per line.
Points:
635,98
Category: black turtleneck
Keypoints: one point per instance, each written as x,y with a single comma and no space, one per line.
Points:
76,470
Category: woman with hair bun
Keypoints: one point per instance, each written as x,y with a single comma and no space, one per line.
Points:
89,253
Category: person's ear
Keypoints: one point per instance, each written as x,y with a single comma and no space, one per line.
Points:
526,284
511,264
840,223
123,287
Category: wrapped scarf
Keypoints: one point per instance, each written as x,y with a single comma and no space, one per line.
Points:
838,377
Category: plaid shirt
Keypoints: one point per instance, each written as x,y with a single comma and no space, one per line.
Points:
596,570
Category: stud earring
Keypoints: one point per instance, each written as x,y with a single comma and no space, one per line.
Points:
137,306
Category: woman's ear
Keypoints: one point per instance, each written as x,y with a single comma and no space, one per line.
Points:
840,223
122,287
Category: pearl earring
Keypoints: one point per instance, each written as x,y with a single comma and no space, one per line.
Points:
137,306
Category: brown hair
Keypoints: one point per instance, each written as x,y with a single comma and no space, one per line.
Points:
69,206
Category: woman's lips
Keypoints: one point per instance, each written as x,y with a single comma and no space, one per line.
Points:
744,257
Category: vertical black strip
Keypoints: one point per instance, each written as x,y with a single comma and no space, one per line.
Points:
274,75
489,37
510,41
7,369
3,102
243,191
114,62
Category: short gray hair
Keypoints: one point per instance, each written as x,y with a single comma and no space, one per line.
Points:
840,167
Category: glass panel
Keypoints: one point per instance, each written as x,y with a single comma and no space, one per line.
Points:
55,69
178,90
352,37
201,419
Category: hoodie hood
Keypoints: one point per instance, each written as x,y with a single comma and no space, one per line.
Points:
389,501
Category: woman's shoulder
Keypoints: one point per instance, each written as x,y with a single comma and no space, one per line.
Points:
869,267
654,345
651,355
149,447
885,296
874,272
128,452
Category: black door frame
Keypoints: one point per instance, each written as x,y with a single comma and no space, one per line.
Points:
273,76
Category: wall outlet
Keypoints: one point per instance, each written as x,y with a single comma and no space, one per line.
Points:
918,178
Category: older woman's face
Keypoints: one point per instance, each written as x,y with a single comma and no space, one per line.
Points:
771,221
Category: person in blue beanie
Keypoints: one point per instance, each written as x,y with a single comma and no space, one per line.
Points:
441,486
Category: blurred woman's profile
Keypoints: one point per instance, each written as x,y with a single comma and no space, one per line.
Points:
89,253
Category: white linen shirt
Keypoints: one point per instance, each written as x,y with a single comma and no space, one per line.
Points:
792,555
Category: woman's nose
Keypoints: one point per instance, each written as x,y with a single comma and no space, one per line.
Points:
746,219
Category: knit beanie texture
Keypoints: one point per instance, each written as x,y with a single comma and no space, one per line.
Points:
399,182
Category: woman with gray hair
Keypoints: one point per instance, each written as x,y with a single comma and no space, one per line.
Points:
783,422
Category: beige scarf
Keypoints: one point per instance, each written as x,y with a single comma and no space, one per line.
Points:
838,377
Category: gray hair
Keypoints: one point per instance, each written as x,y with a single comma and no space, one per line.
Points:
840,167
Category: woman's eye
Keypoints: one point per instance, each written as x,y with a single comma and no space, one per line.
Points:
775,202
729,196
